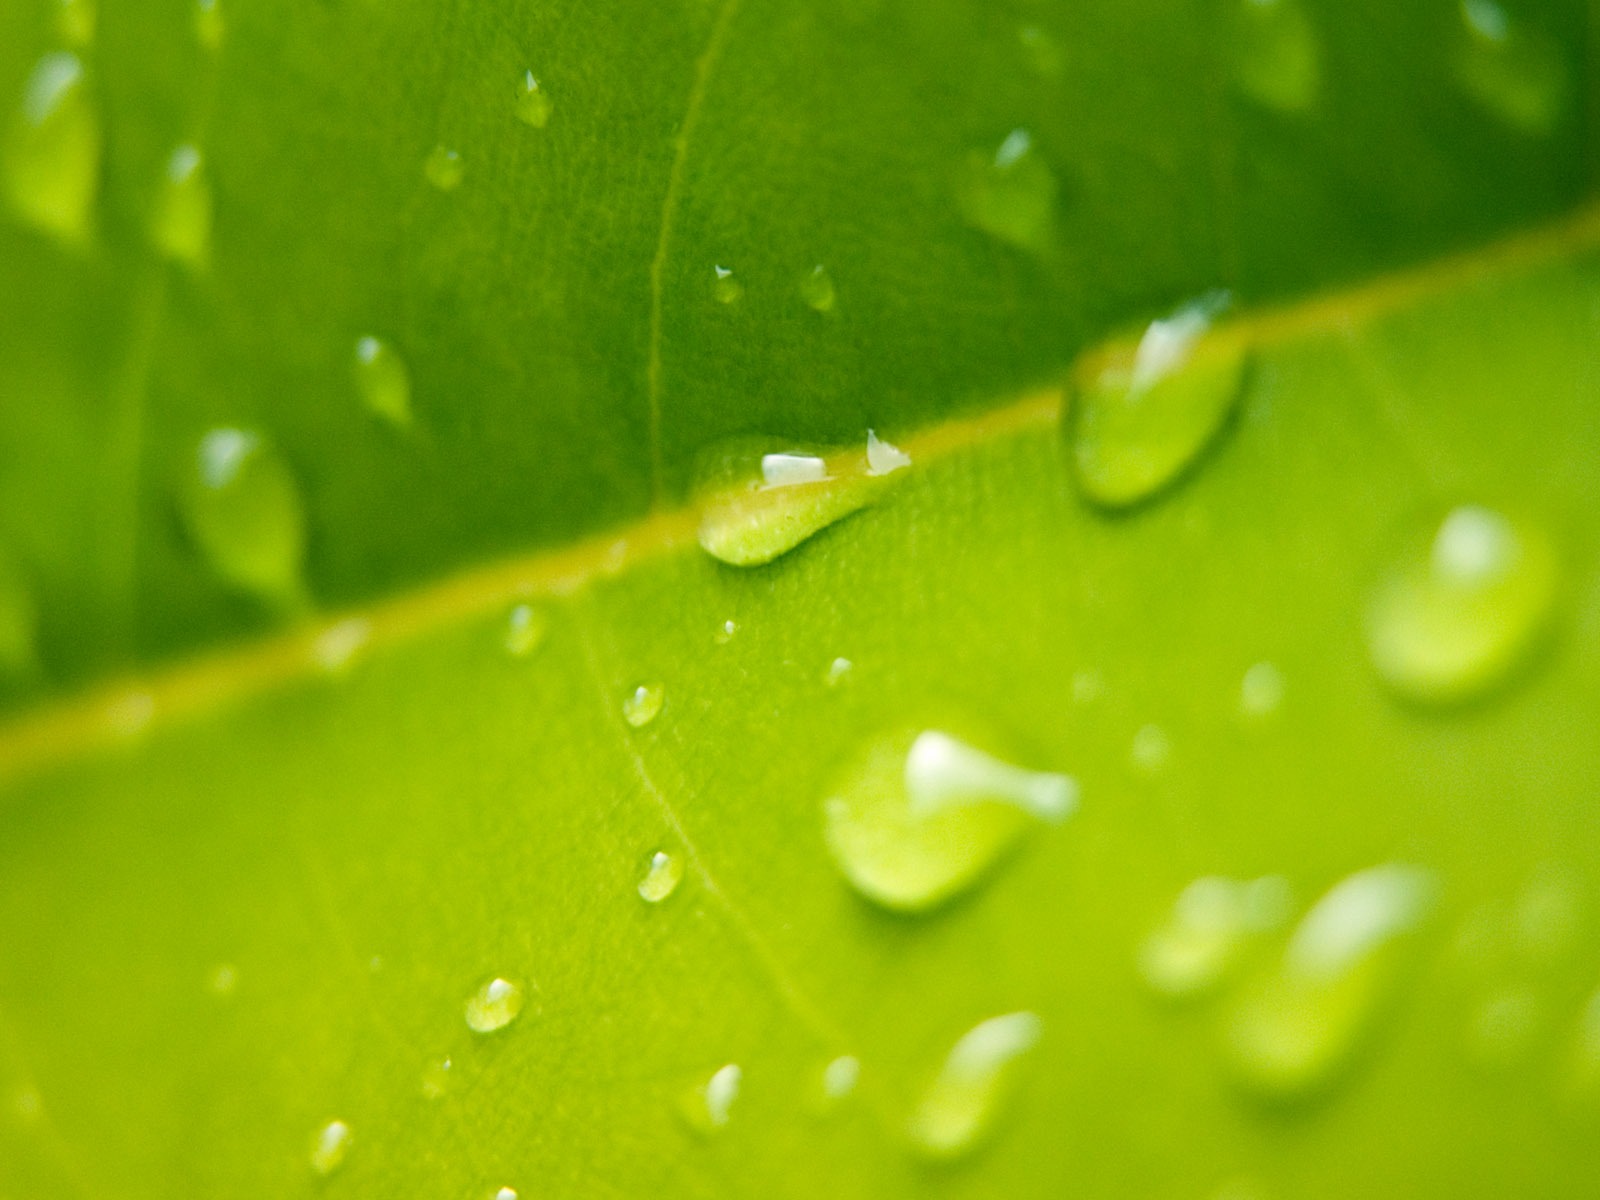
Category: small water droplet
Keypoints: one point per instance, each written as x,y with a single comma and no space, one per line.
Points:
180,226
661,877
18,623
222,979
329,1145
526,629
382,380
1517,74
1144,417
838,671
725,633
1277,60
1010,193
920,816
337,646
960,1105
494,1005
817,290
437,1078
640,706
75,22
709,1106
1210,927
839,1077
1450,622
52,159
1150,750
443,168
724,287
883,458
1298,1025
208,24
1261,690
243,511
1041,50
533,102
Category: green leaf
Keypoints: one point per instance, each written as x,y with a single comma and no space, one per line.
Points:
1175,780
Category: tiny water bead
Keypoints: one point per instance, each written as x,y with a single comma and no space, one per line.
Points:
243,510
959,1106
1300,1022
661,878
840,1076
817,290
1453,619
1261,690
533,102
1141,418
443,168
1277,58
838,671
208,25
641,706
494,1005
180,226
1517,74
1010,193
329,1146
920,816
382,380
337,645
725,632
52,153
505,1193
725,287
1210,927
437,1078
526,629
708,1106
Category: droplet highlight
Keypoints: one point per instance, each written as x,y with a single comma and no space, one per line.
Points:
643,704
920,816
725,287
817,290
1010,193
708,1107
959,1107
494,1005
180,226
661,878
242,508
382,380
533,102
1261,690
52,155
329,1146
1277,56
884,458
1208,932
443,168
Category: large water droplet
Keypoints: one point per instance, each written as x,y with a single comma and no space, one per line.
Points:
641,706
382,380
243,510
661,877
959,1106
208,24
180,226
817,290
52,159
443,168
1143,417
1010,193
1277,61
1452,620
329,1145
759,498
75,22
1298,1025
709,1106
533,102
920,816
1519,75
494,1005
526,629
725,286
1209,929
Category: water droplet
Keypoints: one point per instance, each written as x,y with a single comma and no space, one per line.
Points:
709,1105
959,1107
1209,929
759,498
839,1077
1261,690
75,22
382,380
329,1145
1451,623
222,979
1518,74
661,878
1010,194
337,646
243,511
1277,61
1297,1026
1145,416
208,24
443,168
526,629
52,160
18,622
725,287
437,1078
494,1005
920,816
817,290
641,705
1150,750
838,671
506,1193
882,458
1087,687
533,102
180,227
725,633
1041,50
1503,1027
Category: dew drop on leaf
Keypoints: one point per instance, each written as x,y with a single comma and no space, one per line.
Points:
1277,59
526,629
708,1106
840,1076
52,158
337,645
1142,417
180,226
1298,1024
1150,750
243,511
1010,193
1517,74
1210,927
329,1146
959,1106
208,24
884,458
505,1193
725,287
382,380
533,102
640,706
838,671
222,979
920,816
494,1005
1455,617
437,1078
661,877
816,289
1261,690
725,632
443,168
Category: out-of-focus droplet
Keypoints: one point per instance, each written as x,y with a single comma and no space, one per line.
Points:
52,154
1277,58
382,380
180,225
329,1146
959,1106
838,671
883,458
1519,75
1041,51
243,510
1150,750
725,287
526,629
817,290
1502,1028
335,648
1210,927
533,102
222,979
443,168
1261,690
208,24
708,1106
1010,193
